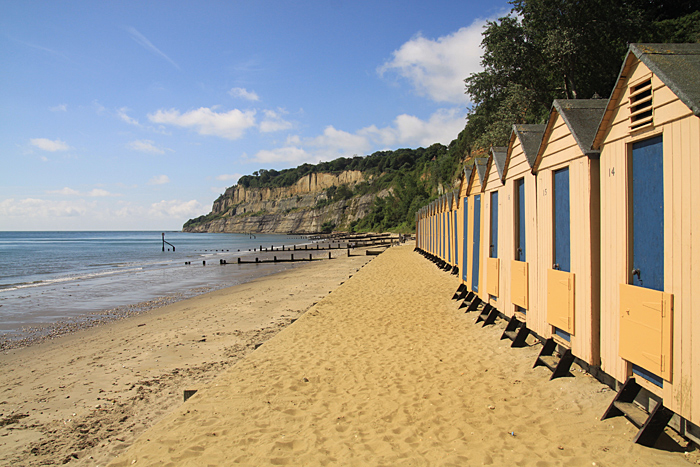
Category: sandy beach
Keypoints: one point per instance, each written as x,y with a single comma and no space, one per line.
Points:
84,397
387,371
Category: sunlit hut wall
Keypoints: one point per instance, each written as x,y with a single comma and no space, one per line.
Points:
463,236
520,229
476,229
424,228
492,244
431,227
454,233
448,230
649,139
439,221
443,226
568,205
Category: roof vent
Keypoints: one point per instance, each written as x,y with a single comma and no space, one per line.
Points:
641,109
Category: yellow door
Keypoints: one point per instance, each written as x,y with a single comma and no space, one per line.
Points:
646,323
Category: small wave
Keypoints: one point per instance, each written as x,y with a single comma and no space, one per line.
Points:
58,280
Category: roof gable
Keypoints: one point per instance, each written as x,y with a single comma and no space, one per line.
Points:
676,65
499,155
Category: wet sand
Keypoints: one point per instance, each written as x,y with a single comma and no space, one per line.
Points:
82,398
387,371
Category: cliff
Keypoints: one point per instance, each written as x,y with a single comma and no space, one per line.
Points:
303,207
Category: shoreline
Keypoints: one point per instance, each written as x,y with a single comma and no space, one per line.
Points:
30,335
85,396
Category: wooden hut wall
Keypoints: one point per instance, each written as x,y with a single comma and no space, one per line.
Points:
475,264
466,221
454,238
518,171
679,128
443,227
493,243
559,152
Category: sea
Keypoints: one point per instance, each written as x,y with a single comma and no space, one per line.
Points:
48,279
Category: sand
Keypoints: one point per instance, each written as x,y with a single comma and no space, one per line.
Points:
83,398
387,371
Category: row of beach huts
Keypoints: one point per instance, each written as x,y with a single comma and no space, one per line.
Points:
585,232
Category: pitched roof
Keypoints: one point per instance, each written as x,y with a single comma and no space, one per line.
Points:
677,65
530,137
499,155
480,164
581,117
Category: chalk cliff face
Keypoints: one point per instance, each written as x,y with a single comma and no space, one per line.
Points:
287,209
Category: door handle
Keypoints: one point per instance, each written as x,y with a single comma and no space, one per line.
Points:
638,273
556,266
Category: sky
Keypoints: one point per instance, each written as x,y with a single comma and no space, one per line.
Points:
136,115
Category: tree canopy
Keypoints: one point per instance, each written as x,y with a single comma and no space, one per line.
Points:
561,49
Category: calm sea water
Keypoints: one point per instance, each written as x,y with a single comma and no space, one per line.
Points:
47,277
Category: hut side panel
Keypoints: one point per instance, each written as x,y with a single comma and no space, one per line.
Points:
560,151
518,168
680,132
493,184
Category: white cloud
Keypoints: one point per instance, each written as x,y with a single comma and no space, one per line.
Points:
227,177
59,108
290,155
98,192
406,131
244,94
159,180
273,121
40,208
64,191
122,114
95,192
437,68
340,142
46,144
176,208
146,44
145,145
206,121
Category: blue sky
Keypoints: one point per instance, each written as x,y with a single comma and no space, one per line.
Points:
136,115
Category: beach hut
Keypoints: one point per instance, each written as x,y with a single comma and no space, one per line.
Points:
649,141
568,204
492,248
454,235
519,248
462,222
471,192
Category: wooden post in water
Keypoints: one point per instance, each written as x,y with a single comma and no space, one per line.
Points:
164,242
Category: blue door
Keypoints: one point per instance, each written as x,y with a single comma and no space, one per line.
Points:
493,246
647,171
520,219
454,228
475,250
465,226
447,237
562,221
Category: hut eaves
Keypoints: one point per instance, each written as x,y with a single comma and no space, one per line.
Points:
581,117
530,137
677,65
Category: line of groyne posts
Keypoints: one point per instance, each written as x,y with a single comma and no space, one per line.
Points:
351,242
